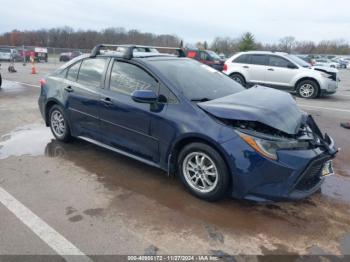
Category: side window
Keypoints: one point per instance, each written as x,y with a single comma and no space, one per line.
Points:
62,73
126,78
259,60
73,71
91,71
165,95
203,56
278,61
242,59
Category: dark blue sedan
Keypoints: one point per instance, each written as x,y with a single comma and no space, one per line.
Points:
190,120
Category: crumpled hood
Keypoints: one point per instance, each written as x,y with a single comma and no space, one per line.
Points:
325,69
269,106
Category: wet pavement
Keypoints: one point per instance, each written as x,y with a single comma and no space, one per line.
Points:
106,203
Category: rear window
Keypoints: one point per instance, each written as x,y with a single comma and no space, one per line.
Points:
5,50
243,59
91,71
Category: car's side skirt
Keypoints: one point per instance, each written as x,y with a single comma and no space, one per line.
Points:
286,88
119,151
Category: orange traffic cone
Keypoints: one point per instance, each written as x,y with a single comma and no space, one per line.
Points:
33,69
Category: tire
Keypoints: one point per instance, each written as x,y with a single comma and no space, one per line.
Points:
0,81
208,187
308,89
59,124
239,79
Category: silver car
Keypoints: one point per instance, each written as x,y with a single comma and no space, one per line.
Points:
282,71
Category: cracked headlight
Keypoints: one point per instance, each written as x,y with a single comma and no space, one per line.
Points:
269,147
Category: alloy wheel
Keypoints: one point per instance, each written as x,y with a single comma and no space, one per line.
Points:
200,172
57,123
306,90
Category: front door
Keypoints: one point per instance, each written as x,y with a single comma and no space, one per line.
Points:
126,124
280,72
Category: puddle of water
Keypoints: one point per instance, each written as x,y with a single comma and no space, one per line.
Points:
28,140
322,212
11,87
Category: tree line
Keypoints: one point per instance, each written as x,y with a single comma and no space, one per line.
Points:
289,44
67,37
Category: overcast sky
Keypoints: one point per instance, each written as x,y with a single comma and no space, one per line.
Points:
196,20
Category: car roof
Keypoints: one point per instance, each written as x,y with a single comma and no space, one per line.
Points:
264,53
137,56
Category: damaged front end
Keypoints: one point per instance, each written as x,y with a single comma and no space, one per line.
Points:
279,152
280,147
268,140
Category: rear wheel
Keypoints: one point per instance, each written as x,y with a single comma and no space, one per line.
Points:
238,78
58,124
308,89
203,171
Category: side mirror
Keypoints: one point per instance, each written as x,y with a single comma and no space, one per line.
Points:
292,66
144,96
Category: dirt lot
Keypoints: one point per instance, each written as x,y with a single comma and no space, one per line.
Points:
102,203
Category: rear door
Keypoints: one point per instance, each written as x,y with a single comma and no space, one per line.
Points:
83,85
126,124
280,72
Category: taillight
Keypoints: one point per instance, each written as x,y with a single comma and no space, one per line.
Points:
225,67
42,82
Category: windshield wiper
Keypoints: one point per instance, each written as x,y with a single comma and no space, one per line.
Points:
204,99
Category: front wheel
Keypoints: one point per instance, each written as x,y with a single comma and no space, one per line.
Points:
203,171
307,89
58,124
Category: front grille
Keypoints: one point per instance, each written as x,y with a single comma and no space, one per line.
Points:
312,175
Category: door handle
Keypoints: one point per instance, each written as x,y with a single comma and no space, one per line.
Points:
107,101
271,69
245,66
69,89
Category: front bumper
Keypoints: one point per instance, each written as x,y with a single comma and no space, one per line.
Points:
329,86
294,176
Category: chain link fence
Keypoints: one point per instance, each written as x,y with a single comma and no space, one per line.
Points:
52,55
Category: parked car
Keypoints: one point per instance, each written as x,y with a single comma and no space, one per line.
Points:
282,71
222,56
189,119
207,57
342,63
326,63
9,54
64,57
40,54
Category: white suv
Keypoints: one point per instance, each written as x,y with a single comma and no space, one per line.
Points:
281,71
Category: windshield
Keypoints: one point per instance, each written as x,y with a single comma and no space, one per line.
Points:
198,82
298,61
213,54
